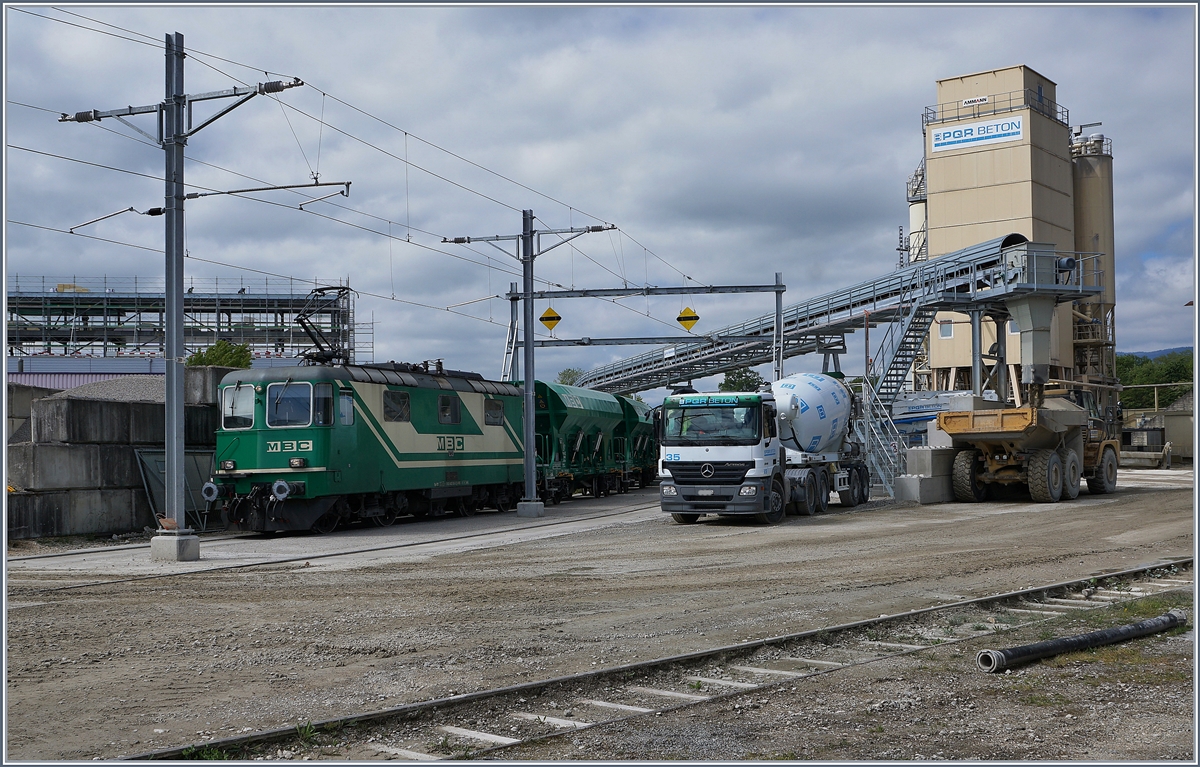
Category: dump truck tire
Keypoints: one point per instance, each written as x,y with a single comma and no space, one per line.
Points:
1045,473
964,476
1071,471
1105,480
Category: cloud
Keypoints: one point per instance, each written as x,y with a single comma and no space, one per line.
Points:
733,143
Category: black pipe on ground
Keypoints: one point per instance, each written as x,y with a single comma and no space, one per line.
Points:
995,661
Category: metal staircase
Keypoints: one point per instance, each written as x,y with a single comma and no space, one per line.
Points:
899,348
882,443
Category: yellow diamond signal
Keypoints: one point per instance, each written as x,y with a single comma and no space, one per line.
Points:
550,318
687,318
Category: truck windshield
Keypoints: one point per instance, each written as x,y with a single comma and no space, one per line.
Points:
711,425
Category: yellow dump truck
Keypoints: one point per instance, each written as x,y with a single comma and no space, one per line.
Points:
1050,447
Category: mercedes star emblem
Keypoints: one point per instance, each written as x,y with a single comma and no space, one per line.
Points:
707,470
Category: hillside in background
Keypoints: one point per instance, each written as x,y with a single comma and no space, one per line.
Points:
1155,354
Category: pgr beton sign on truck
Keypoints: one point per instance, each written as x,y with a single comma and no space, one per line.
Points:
977,134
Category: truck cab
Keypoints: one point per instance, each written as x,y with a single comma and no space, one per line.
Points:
720,454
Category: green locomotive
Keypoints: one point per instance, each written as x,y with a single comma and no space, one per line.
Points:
312,447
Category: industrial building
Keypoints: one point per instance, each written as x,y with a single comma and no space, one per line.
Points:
122,318
1001,156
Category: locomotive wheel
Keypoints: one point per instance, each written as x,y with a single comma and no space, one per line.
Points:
327,523
775,511
385,519
464,508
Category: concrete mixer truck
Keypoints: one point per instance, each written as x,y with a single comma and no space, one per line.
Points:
764,454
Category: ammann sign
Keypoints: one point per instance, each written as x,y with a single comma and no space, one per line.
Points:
977,134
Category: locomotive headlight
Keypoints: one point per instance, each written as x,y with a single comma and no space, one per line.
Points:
297,463
669,490
748,490
228,465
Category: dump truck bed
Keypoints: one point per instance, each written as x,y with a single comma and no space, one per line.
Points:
1032,428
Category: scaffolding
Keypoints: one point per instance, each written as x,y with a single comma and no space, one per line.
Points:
123,317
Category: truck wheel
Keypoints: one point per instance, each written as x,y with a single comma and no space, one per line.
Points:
686,519
1070,461
809,505
852,496
775,511
865,482
1105,480
968,487
1045,473
822,491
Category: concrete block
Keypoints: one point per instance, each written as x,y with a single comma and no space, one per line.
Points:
57,466
175,548
924,490
147,423
930,461
107,422
80,420
935,437
21,398
531,509
200,425
77,512
200,384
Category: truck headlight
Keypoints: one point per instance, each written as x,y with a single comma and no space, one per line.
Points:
670,490
748,490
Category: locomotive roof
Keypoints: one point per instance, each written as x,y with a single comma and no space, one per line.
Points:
395,374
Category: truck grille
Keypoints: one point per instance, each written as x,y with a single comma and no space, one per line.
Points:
722,473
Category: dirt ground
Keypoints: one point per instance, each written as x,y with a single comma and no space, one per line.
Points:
130,667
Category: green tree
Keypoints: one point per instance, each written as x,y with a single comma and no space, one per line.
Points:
222,354
1133,370
742,379
569,376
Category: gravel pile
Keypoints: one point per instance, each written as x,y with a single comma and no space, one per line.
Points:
126,389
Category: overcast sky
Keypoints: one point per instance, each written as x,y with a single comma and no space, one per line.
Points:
726,144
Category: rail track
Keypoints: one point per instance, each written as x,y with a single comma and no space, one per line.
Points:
484,723
501,533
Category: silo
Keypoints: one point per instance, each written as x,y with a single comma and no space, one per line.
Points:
1095,325
1091,158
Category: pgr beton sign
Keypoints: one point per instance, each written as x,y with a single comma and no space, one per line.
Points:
980,133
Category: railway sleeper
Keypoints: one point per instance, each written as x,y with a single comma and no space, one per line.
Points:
483,723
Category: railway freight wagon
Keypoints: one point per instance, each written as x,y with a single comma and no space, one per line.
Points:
575,441
315,446
637,451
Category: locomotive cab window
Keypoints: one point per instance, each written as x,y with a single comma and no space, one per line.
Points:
346,407
448,409
493,412
323,404
396,406
237,408
289,404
